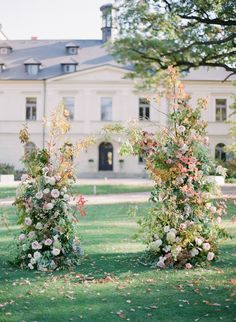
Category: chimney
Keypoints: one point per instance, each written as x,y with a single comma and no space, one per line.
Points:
108,21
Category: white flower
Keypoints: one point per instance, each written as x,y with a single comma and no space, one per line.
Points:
45,170
48,242
194,252
49,206
218,220
210,256
39,195
29,256
35,245
58,178
37,255
213,209
51,180
55,193
46,191
56,251
24,177
22,237
33,261
39,226
170,236
160,264
184,148
206,246
198,241
28,221
173,230
167,248
180,129
178,249
31,234
166,229
30,266
66,197
158,242
24,247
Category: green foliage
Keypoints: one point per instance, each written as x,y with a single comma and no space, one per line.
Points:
154,34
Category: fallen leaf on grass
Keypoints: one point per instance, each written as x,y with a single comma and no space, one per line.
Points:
211,304
121,314
233,281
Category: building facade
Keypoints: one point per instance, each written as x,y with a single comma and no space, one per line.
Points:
36,75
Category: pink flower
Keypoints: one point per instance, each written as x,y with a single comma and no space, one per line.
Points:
56,251
28,221
35,245
39,195
55,193
210,256
22,237
188,266
48,242
206,246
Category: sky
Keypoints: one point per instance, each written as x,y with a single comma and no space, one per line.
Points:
51,19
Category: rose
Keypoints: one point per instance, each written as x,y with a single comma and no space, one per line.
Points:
213,209
33,261
170,237
210,256
194,252
158,242
46,191
37,255
30,266
56,251
166,229
35,245
198,241
28,221
206,246
188,266
31,234
48,242
66,197
22,237
55,193
49,206
39,226
39,195
51,181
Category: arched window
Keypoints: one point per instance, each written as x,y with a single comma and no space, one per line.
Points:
105,156
220,154
29,147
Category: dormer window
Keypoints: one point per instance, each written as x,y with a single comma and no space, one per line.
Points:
5,49
2,67
32,66
69,66
72,48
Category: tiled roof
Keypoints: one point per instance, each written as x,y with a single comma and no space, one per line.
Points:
91,53
51,54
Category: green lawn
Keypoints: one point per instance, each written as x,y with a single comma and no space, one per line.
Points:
132,292
6,192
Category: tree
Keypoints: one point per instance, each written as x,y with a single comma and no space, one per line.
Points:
154,34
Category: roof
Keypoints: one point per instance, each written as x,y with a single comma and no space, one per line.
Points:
51,54
92,53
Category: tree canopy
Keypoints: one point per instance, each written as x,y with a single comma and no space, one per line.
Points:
154,34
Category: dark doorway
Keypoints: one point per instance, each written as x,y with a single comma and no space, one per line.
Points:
105,157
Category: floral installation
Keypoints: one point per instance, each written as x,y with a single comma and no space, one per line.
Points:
182,228
47,211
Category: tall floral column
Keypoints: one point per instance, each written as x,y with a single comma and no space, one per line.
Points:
48,239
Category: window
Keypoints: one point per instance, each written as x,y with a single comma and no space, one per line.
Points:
69,103
32,69
31,108
106,108
72,50
69,68
2,67
219,152
221,110
29,147
144,109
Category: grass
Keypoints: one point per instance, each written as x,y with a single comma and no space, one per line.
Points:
133,292
7,192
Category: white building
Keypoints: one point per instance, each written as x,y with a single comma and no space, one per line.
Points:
36,75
